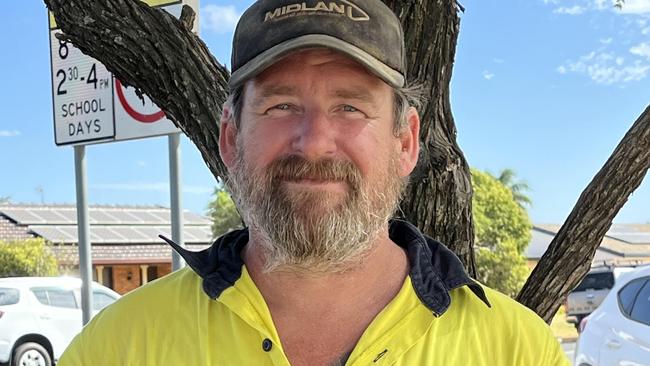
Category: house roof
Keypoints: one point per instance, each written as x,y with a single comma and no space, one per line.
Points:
620,241
117,233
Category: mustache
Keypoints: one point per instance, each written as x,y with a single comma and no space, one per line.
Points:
294,167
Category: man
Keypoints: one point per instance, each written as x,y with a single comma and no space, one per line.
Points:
319,140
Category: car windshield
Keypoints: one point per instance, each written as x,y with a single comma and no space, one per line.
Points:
596,281
9,296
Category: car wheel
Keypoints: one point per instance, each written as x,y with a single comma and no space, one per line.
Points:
31,354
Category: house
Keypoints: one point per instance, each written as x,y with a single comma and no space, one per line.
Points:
126,250
623,243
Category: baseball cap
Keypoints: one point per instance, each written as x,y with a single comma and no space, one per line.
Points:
365,30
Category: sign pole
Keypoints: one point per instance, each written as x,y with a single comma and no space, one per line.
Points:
83,233
175,196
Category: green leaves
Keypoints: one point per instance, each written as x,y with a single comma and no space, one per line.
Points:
29,257
503,231
223,212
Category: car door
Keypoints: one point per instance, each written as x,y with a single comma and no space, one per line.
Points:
59,317
629,340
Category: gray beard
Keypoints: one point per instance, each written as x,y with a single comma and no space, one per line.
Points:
303,231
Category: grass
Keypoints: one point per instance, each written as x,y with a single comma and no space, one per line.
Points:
560,327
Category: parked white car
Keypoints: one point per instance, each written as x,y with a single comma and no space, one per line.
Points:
618,331
39,316
591,292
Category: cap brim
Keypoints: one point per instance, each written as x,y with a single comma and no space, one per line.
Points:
267,58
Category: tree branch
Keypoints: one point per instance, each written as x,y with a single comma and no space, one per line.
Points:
150,49
568,258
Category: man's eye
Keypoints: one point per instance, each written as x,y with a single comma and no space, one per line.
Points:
282,107
349,108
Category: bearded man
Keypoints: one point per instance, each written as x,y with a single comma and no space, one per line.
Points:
319,137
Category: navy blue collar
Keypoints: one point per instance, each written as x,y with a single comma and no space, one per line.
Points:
435,270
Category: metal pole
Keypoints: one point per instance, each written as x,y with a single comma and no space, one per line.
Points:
175,197
83,233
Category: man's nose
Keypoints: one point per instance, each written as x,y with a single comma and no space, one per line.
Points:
315,136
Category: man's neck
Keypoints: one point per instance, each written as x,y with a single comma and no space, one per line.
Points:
320,317
378,276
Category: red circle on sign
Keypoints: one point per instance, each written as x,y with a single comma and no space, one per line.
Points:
144,118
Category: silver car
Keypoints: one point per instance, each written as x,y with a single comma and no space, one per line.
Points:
39,316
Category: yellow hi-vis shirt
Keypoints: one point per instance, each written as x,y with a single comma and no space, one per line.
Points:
178,320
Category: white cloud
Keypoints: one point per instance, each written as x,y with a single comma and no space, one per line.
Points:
9,133
160,187
603,4
606,68
141,163
498,60
574,10
636,7
219,19
606,40
642,49
488,75
645,31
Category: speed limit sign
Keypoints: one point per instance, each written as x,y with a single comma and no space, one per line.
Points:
90,105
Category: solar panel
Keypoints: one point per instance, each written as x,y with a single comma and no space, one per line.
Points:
56,234
103,217
631,237
198,234
70,215
50,216
134,234
162,216
192,218
23,215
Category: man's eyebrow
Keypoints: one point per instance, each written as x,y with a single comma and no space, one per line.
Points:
273,91
355,94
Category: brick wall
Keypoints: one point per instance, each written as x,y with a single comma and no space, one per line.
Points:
126,278
164,269
121,282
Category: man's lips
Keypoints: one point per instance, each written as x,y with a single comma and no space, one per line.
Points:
316,182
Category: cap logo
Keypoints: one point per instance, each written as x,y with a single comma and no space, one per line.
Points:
341,7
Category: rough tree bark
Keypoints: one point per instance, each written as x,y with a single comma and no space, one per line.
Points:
156,53
439,198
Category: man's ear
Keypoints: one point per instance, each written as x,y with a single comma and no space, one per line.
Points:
410,143
227,137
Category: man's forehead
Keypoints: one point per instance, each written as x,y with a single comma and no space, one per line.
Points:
278,78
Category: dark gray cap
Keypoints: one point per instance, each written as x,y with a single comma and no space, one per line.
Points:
365,30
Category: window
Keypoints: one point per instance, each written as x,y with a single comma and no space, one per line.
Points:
641,308
597,281
627,295
101,300
54,296
9,296
107,275
152,273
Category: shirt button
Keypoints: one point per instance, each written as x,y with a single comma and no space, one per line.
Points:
267,344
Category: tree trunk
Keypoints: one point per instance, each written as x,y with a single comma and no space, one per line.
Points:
569,256
439,198
154,52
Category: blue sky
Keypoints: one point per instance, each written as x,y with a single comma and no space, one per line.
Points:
545,87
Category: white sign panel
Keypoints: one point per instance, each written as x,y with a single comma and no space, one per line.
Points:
82,91
136,117
91,106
